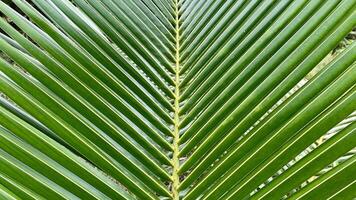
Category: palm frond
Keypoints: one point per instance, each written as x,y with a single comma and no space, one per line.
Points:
177,99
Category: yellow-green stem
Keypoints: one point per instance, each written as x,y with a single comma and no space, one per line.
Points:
175,159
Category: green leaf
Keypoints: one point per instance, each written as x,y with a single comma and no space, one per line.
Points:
177,99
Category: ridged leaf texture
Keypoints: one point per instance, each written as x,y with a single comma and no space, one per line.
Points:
177,99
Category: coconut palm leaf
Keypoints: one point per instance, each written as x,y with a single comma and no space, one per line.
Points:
177,99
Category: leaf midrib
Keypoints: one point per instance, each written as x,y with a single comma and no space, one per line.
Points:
175,158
